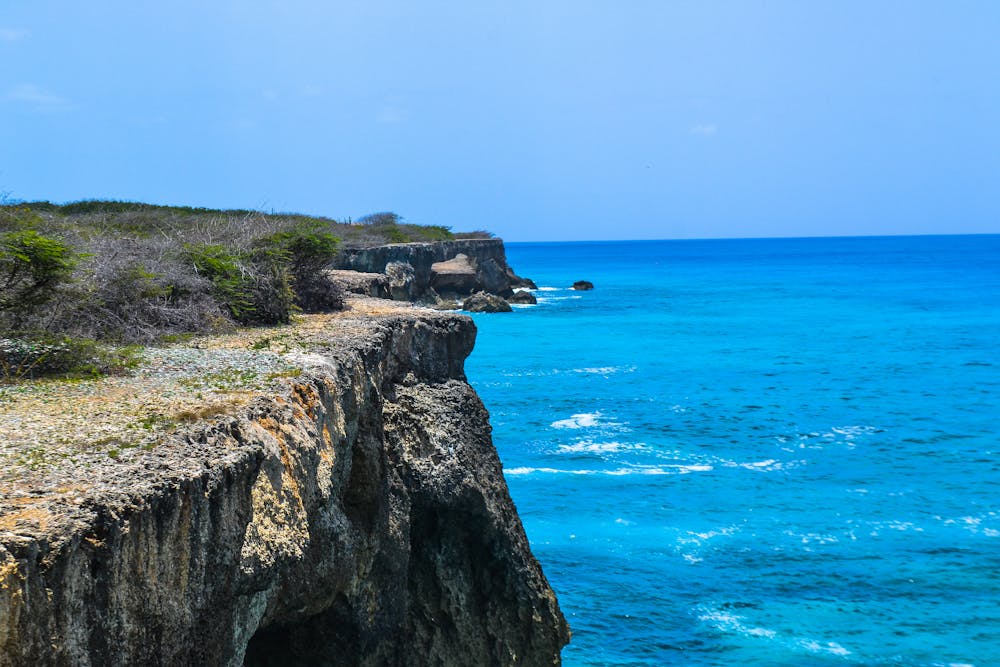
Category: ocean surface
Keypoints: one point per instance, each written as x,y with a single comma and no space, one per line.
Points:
758,452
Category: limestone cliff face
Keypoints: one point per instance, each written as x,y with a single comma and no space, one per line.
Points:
412,274
359,517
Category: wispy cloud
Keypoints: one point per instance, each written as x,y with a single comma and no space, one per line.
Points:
13,34
42,100
705,129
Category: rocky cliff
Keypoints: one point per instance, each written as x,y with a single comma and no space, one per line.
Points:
358,515
449,269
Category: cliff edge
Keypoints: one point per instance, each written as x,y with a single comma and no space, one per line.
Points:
429,271
353,513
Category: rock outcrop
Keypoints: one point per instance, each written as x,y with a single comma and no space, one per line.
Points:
357,516
583,285
523,297
365,284
481,302
454,276
448,269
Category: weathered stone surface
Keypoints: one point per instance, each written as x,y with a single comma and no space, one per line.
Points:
358,516
486,256
522,296
583,285
454,276
401,281
518,281
366,284
481,302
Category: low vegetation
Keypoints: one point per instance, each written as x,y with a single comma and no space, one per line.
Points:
79,281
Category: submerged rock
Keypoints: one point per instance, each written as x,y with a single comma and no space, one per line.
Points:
583,285
481,302
523,296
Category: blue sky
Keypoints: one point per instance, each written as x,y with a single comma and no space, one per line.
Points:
538,120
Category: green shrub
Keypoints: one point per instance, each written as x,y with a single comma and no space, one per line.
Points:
254,286
272,295
308,248
32,266
233,284
133,272
33,355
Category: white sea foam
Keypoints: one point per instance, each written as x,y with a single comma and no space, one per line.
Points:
974,524
697,467
829,647
604,370
813,538
582,420
769,465
609,472
544,300
731,623
853,432
588,447
720,620
551,289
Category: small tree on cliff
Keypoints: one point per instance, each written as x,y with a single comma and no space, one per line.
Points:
32,267
380,219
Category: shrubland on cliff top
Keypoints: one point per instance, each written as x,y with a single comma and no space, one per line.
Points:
322,493
317,489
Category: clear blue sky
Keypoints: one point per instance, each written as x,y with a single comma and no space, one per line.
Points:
538,120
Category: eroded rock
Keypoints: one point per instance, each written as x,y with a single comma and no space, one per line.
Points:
523,297
486,257
481,302
366,284
357,516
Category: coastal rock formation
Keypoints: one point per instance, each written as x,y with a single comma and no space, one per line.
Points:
481,302
455,276
401,277
583,285
518,281
365,284
356,516
523,297
450,269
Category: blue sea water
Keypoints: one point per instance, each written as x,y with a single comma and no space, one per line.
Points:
758,452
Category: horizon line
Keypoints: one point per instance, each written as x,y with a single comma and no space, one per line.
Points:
757,238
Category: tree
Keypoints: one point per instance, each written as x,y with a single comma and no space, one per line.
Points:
32,266
381,218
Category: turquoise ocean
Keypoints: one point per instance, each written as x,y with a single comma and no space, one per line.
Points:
758,452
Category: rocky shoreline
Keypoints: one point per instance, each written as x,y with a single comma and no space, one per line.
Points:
351,512
442,275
